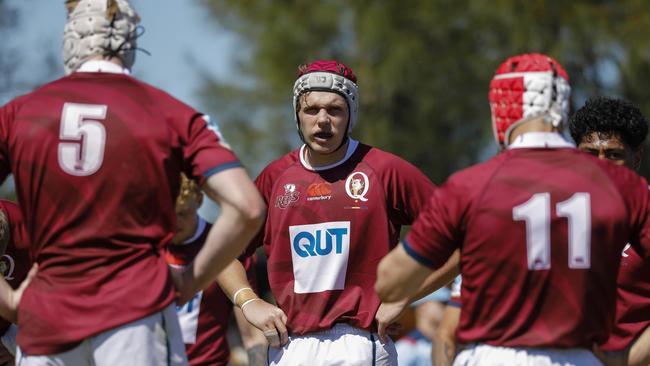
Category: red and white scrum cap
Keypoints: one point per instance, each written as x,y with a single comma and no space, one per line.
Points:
331,76
525,87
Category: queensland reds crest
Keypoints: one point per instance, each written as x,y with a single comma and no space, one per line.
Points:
290,196
357,185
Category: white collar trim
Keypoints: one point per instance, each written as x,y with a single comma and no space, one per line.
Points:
352,147
551,140
200,228
102,66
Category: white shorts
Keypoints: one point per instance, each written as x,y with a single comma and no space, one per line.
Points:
340,345
154,340
486,355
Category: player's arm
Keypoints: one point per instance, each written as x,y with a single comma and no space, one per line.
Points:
389,312
439,278
242,213
640,352
399,276
444,345
252,339
10,298
268,318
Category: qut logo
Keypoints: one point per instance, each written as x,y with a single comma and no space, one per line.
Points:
307,244
319,253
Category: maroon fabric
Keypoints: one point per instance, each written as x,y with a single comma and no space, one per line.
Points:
97,237
328,66
505,303
632,301
396,192
14,264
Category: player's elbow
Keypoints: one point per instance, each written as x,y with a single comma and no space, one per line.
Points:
253,213
385,286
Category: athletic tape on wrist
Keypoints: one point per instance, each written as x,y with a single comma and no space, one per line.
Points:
248,302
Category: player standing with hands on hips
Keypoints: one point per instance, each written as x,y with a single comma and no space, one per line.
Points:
336,207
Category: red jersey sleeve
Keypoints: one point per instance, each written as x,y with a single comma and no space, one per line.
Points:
636,195
204,150
437,232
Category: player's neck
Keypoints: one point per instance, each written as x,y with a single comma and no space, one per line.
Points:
316,159
534,125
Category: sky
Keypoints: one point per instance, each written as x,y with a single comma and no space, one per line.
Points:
180,35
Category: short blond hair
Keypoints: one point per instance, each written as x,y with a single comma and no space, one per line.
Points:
189,191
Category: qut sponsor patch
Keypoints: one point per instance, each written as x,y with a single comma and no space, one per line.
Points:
319,253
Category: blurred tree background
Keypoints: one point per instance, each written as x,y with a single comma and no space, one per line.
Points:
423,67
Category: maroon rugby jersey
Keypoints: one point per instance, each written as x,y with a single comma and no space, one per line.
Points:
97,158
15,263
204,319
632,301
540,231
327,229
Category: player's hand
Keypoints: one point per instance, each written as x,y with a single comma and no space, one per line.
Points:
386,317
14,296
270,319
182,281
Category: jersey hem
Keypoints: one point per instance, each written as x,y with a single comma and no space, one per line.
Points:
415,255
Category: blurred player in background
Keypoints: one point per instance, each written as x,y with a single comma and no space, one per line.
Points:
444,345
614,129
15,263
204,319
548,301
414,348
97,157
336,207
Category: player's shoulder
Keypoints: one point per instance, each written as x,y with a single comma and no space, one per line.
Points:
385,162
625,178
278,166
10,207
478,174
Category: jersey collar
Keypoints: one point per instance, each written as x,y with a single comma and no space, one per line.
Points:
200,227
549,140
352,147
102,66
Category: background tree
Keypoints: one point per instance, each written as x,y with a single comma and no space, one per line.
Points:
423,66
11,84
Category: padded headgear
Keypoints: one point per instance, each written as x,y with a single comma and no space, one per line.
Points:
99,27
331,76
525,87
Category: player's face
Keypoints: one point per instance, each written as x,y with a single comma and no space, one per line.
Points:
186,220
323,121
608,147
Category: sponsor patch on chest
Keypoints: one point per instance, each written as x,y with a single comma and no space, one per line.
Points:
320,253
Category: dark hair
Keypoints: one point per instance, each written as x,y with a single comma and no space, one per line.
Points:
609,116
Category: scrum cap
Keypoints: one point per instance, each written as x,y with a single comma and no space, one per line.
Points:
99,27
525,87
331,76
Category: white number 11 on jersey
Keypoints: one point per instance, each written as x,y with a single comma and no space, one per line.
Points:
82,138
536,212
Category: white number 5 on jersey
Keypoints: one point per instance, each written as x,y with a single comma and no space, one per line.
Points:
82,138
